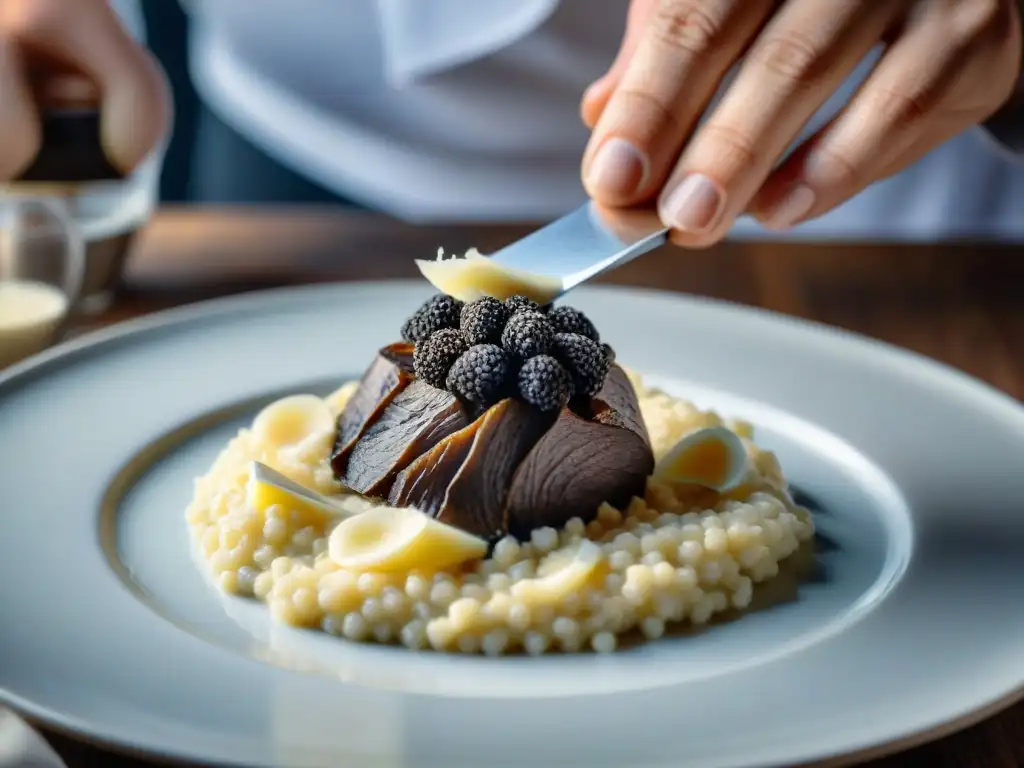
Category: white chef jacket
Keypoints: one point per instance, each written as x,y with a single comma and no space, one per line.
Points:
463,110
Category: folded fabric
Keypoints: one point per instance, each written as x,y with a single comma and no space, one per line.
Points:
422,39
21,747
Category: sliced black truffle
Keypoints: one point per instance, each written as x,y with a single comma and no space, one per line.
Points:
526,335
571,320
464,480
580,463
609,354
516,304
544,383
416,419
483,320
479,377
584,359
436,313
387,376
435,355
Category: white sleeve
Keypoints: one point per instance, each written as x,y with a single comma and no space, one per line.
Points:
130,12
21,747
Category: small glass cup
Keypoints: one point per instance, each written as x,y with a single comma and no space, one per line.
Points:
42,267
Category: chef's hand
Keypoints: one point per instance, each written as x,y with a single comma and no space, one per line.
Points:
947,65
41,42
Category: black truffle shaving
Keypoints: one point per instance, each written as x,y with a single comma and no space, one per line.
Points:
526,335
544,383
436,313
571,320
585,360
434,356
483,320
480,375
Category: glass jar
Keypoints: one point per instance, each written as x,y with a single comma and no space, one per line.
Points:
42,269
107,207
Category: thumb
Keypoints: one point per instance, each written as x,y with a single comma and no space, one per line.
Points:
596,96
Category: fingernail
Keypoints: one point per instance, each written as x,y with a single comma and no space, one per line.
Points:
695,205
793,207
618,169
594,90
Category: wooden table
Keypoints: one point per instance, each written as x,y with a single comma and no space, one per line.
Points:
961,304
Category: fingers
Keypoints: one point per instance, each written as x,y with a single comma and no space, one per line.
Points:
685,49
944,73
803,55
86,36
19,123
596,96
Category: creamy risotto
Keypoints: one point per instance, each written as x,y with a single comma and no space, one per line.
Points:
679,554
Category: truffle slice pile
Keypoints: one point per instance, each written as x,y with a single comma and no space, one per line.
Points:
496,417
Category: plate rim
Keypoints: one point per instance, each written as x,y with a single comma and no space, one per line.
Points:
66,728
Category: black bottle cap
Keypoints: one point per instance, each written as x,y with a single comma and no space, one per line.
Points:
71,149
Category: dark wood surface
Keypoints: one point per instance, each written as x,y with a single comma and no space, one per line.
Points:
961,304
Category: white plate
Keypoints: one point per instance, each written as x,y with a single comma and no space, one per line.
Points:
911,623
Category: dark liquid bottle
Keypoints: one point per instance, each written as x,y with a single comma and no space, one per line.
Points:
106,207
